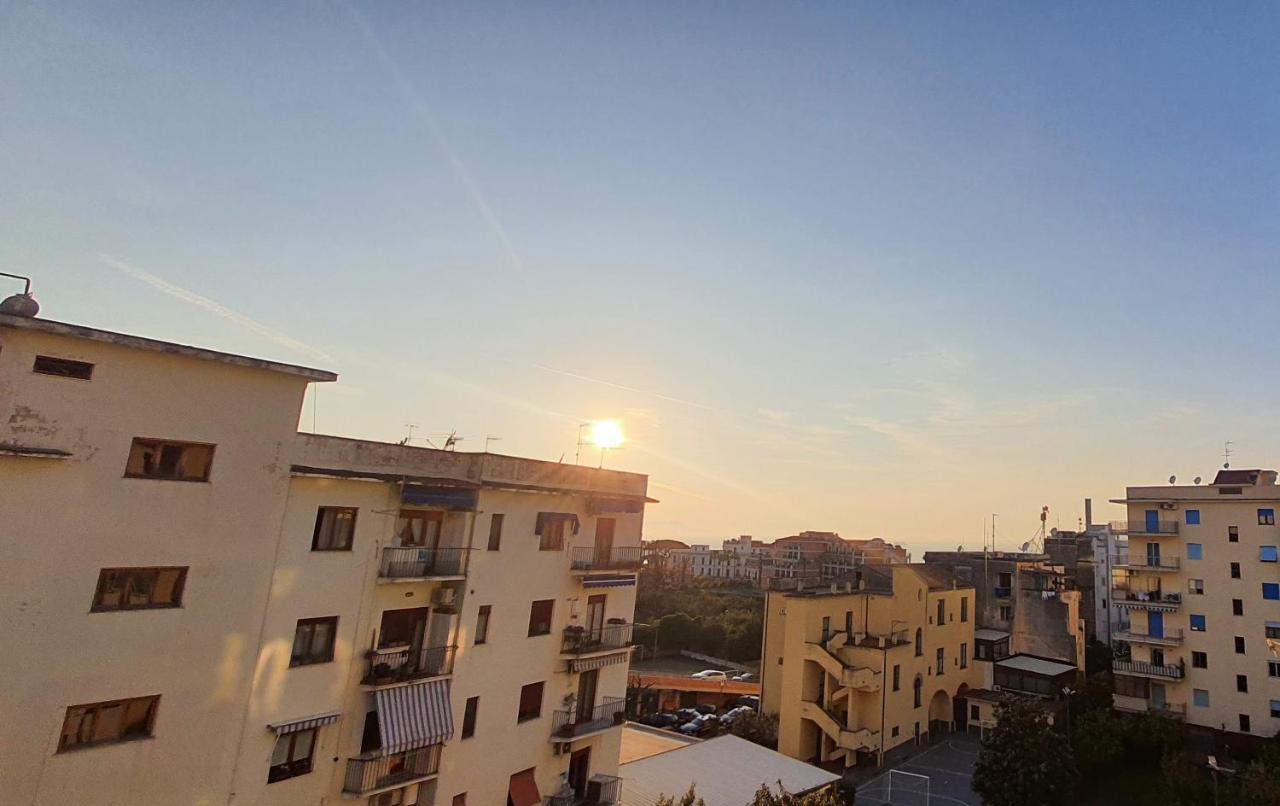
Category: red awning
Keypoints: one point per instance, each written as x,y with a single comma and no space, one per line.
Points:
524,790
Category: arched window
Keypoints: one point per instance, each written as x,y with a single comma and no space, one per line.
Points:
919,642
916,689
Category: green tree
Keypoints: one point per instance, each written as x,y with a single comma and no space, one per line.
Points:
711,641
767,797
1093,694
676,631
757,727
687,799
1150,736
1099,738
1184,783
1023,760
1259,780
1097,658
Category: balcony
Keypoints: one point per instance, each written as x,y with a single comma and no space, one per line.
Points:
1138,705
372,772
416,562
575,723
1169,638
1135,562
613,558
1003,593
583,641
1141,669
387,667
1144,529
602,790
1146,600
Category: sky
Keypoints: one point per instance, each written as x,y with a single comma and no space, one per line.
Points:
876,268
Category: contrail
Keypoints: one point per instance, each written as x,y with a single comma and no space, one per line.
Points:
636,390
215,308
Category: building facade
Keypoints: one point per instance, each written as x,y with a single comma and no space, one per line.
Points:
213,608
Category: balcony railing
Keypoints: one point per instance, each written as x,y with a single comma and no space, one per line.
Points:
1003,593
1144,528
1140,562
370,772
1172,637
577,722
584,640
416,562
401,665
613,558
1147,669
601,790
1153,600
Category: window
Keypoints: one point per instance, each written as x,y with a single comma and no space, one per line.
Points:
1006,613
1195,551
1242,683
530,702
62,367
1266,517
460,799
1271,590
1244,723
395,797
1273,668
335,529
1275,709
1200,697
495,532
942,611
1239,644
974,713
1267,554
919,642
826,628
964,609
540,617
1233,534
173,461
1237,607
139,588
1197,623
897,676
916,687
1195,586
964,656
1193,517
552,537
313,641
1273,629
469,717
1235,570
940,664
482,623
894,732
1199,660
1230,490
292,756
108,722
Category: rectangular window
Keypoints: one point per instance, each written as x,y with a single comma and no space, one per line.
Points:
1266,517
1235,570
897,676
941,665
964,609
482,623
1006,613
894,732
1230,490
1267,554
335,529
292,755
469,717
964,656
1244,723
495,532
1199,660
1195,586
1233,534
108,722
1237,607
1200,697
1239,644
1193,517
1197,623
552,538
1271,590
460,799
139,588
1273,668
974,713
169,460
1242,683
942,611
1275,709
1273,629
530,702
313,641
1195,551
540,617
62,367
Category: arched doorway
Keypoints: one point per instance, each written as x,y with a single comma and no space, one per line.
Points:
940,714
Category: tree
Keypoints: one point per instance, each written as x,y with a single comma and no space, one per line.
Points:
1260,779
1097,658
1094,694
676,631
1152,735
757,727
1183,782
1023,760
767,797
1099,739
687,799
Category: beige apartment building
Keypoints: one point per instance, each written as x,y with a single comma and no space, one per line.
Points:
858,668
1201,588
203,606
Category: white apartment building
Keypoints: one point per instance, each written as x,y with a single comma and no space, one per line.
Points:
201,605
699,560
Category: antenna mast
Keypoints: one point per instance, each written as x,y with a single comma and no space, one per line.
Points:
1226,454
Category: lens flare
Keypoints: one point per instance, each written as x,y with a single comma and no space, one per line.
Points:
607,434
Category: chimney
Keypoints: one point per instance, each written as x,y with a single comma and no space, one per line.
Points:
1088,514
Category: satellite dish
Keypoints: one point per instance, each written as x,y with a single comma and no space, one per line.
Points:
1172,479
1197,479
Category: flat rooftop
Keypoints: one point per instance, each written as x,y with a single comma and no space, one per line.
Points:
1034,665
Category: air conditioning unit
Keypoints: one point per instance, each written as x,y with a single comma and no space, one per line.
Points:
445,598
1168,506
996,688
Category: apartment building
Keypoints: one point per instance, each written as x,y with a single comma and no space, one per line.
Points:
1201,585
858,668
702,562
204,606
810,557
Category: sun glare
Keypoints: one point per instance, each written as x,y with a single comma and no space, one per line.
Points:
607,434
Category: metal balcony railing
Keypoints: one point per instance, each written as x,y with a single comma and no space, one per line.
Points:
1140,562
582,640
601,790
401,665
409,562
1170,637
372,771
1003,593
1157,600
605,558
1151,670
1144,528
576,722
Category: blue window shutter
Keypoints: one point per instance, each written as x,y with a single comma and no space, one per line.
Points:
1197,623
1271,590
1267,554
1193,517
1195,551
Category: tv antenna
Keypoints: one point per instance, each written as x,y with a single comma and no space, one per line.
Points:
408,437
577,454
1226,454
488,439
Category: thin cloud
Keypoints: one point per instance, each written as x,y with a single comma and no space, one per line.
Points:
215,308
624,388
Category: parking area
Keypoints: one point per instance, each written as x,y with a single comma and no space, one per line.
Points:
948,765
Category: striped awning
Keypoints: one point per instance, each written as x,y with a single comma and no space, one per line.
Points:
306,723
587,664
414,716
609,582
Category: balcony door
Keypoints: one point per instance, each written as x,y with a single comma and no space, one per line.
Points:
587,694
604,540
419,527
580,771
1155,624
1157,697
595,616
1153,555
1153,521
1157,657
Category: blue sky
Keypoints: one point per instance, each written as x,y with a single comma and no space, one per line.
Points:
877,268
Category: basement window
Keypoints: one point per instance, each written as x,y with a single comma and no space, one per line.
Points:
62,367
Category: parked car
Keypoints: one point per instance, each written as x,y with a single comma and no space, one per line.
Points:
691,728
664,720
710,674
745,677
706,709
750,701
687,714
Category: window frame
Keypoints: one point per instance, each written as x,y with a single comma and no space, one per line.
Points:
1204,623
940,661
321,513
1192,517
523,715
178,590
964,609
1195,586
470,714
1233,534
496,521
309,660
1272,588
293,767
56,367
1199,659
1237,607
1268,554
550,618
154,443
94,709
1234,570
552,537
1195,551
483,616
1266,516
1200,693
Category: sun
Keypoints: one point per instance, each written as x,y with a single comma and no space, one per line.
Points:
607,434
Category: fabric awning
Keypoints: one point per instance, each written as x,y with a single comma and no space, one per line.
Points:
545,518
609,506
523,790
587,664
414,716
423,495
609,582
306,723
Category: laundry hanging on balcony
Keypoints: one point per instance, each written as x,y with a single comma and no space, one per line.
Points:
547,518
414,716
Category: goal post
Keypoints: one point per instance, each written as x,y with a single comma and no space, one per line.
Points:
908,788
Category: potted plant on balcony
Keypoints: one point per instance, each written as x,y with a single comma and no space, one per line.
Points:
575,637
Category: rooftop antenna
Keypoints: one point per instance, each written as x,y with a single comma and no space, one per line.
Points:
1226,454
408,437
488,439
451,441
577,454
